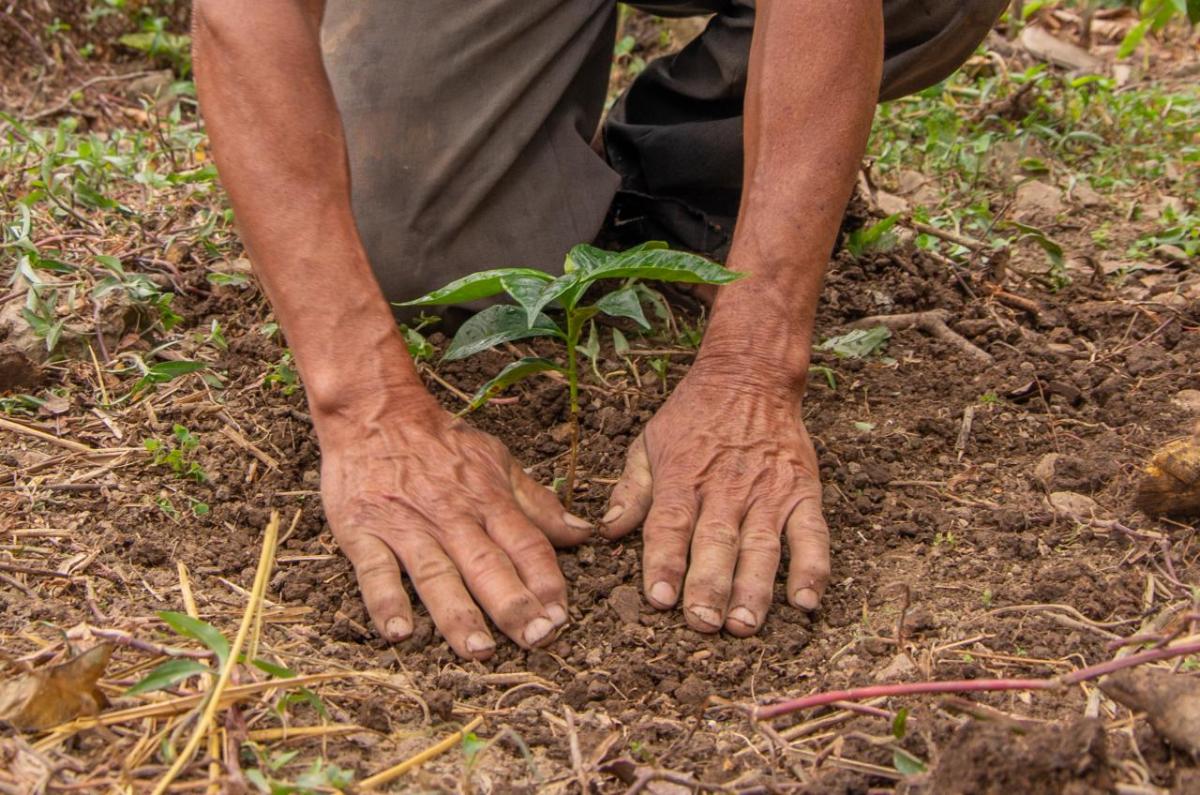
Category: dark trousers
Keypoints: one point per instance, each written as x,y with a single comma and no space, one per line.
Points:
469,123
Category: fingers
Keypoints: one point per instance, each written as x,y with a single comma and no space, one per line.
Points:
378,575
714,557
491,577
544,510
754,580
667,532
633,494
441,589
534,559
808,543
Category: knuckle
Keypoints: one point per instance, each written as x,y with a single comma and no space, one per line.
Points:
670,518
485,560
720,536
762,543
431,569
374,567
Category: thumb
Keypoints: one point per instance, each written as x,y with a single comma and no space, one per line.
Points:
631,497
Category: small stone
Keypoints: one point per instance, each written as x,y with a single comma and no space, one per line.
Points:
1075,506
626,602
1188,400
1086,195
1037,200
900,667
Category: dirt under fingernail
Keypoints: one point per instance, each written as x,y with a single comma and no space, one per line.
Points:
538,630
807,599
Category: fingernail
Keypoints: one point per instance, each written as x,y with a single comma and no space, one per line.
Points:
743,616
706,616
807,598
478,642
537,631
662,594
557,613
613,514
397,629
576,522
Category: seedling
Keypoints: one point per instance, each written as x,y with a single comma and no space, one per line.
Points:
535,291
176,454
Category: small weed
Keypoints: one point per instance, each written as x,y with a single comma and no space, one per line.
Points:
876,237
176,454
989,399
283,375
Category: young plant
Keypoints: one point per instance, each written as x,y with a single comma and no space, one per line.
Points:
536,291
177,456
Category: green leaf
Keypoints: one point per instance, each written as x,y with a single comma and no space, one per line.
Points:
1054,251
624,303
536,294
497,324
858,343
660,264
472,746
867,238
511,374
906,763
899,723
1134,38
167,674
277,671
162,372
196,629
478,285
620,344
583,259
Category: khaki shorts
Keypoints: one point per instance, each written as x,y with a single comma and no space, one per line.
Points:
469,123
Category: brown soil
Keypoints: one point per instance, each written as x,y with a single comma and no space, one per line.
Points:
961,534
948,560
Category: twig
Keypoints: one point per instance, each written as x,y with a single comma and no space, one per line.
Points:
933,323
394,772
766,712
214,695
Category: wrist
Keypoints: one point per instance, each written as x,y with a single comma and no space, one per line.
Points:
757,337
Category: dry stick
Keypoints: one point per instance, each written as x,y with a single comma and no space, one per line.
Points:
394,772
214,696
970,685
933,323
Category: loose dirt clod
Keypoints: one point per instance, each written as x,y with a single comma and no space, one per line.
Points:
990,759
1171,701
49,696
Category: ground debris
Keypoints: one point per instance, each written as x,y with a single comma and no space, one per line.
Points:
1171,482
1171,702
40,699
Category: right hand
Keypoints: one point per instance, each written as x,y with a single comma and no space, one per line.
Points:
408,486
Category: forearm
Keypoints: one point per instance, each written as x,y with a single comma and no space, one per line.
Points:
278,142
813,83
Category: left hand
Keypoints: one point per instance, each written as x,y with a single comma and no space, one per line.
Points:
722,470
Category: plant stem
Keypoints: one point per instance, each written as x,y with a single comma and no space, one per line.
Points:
964,686
573,327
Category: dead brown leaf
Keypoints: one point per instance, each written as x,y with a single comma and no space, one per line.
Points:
1171,483
44,698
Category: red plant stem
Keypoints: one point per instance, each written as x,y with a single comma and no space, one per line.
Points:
766,712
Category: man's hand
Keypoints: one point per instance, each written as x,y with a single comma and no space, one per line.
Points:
726,465
723,468
407,485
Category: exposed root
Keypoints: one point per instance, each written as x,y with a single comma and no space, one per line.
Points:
933,323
